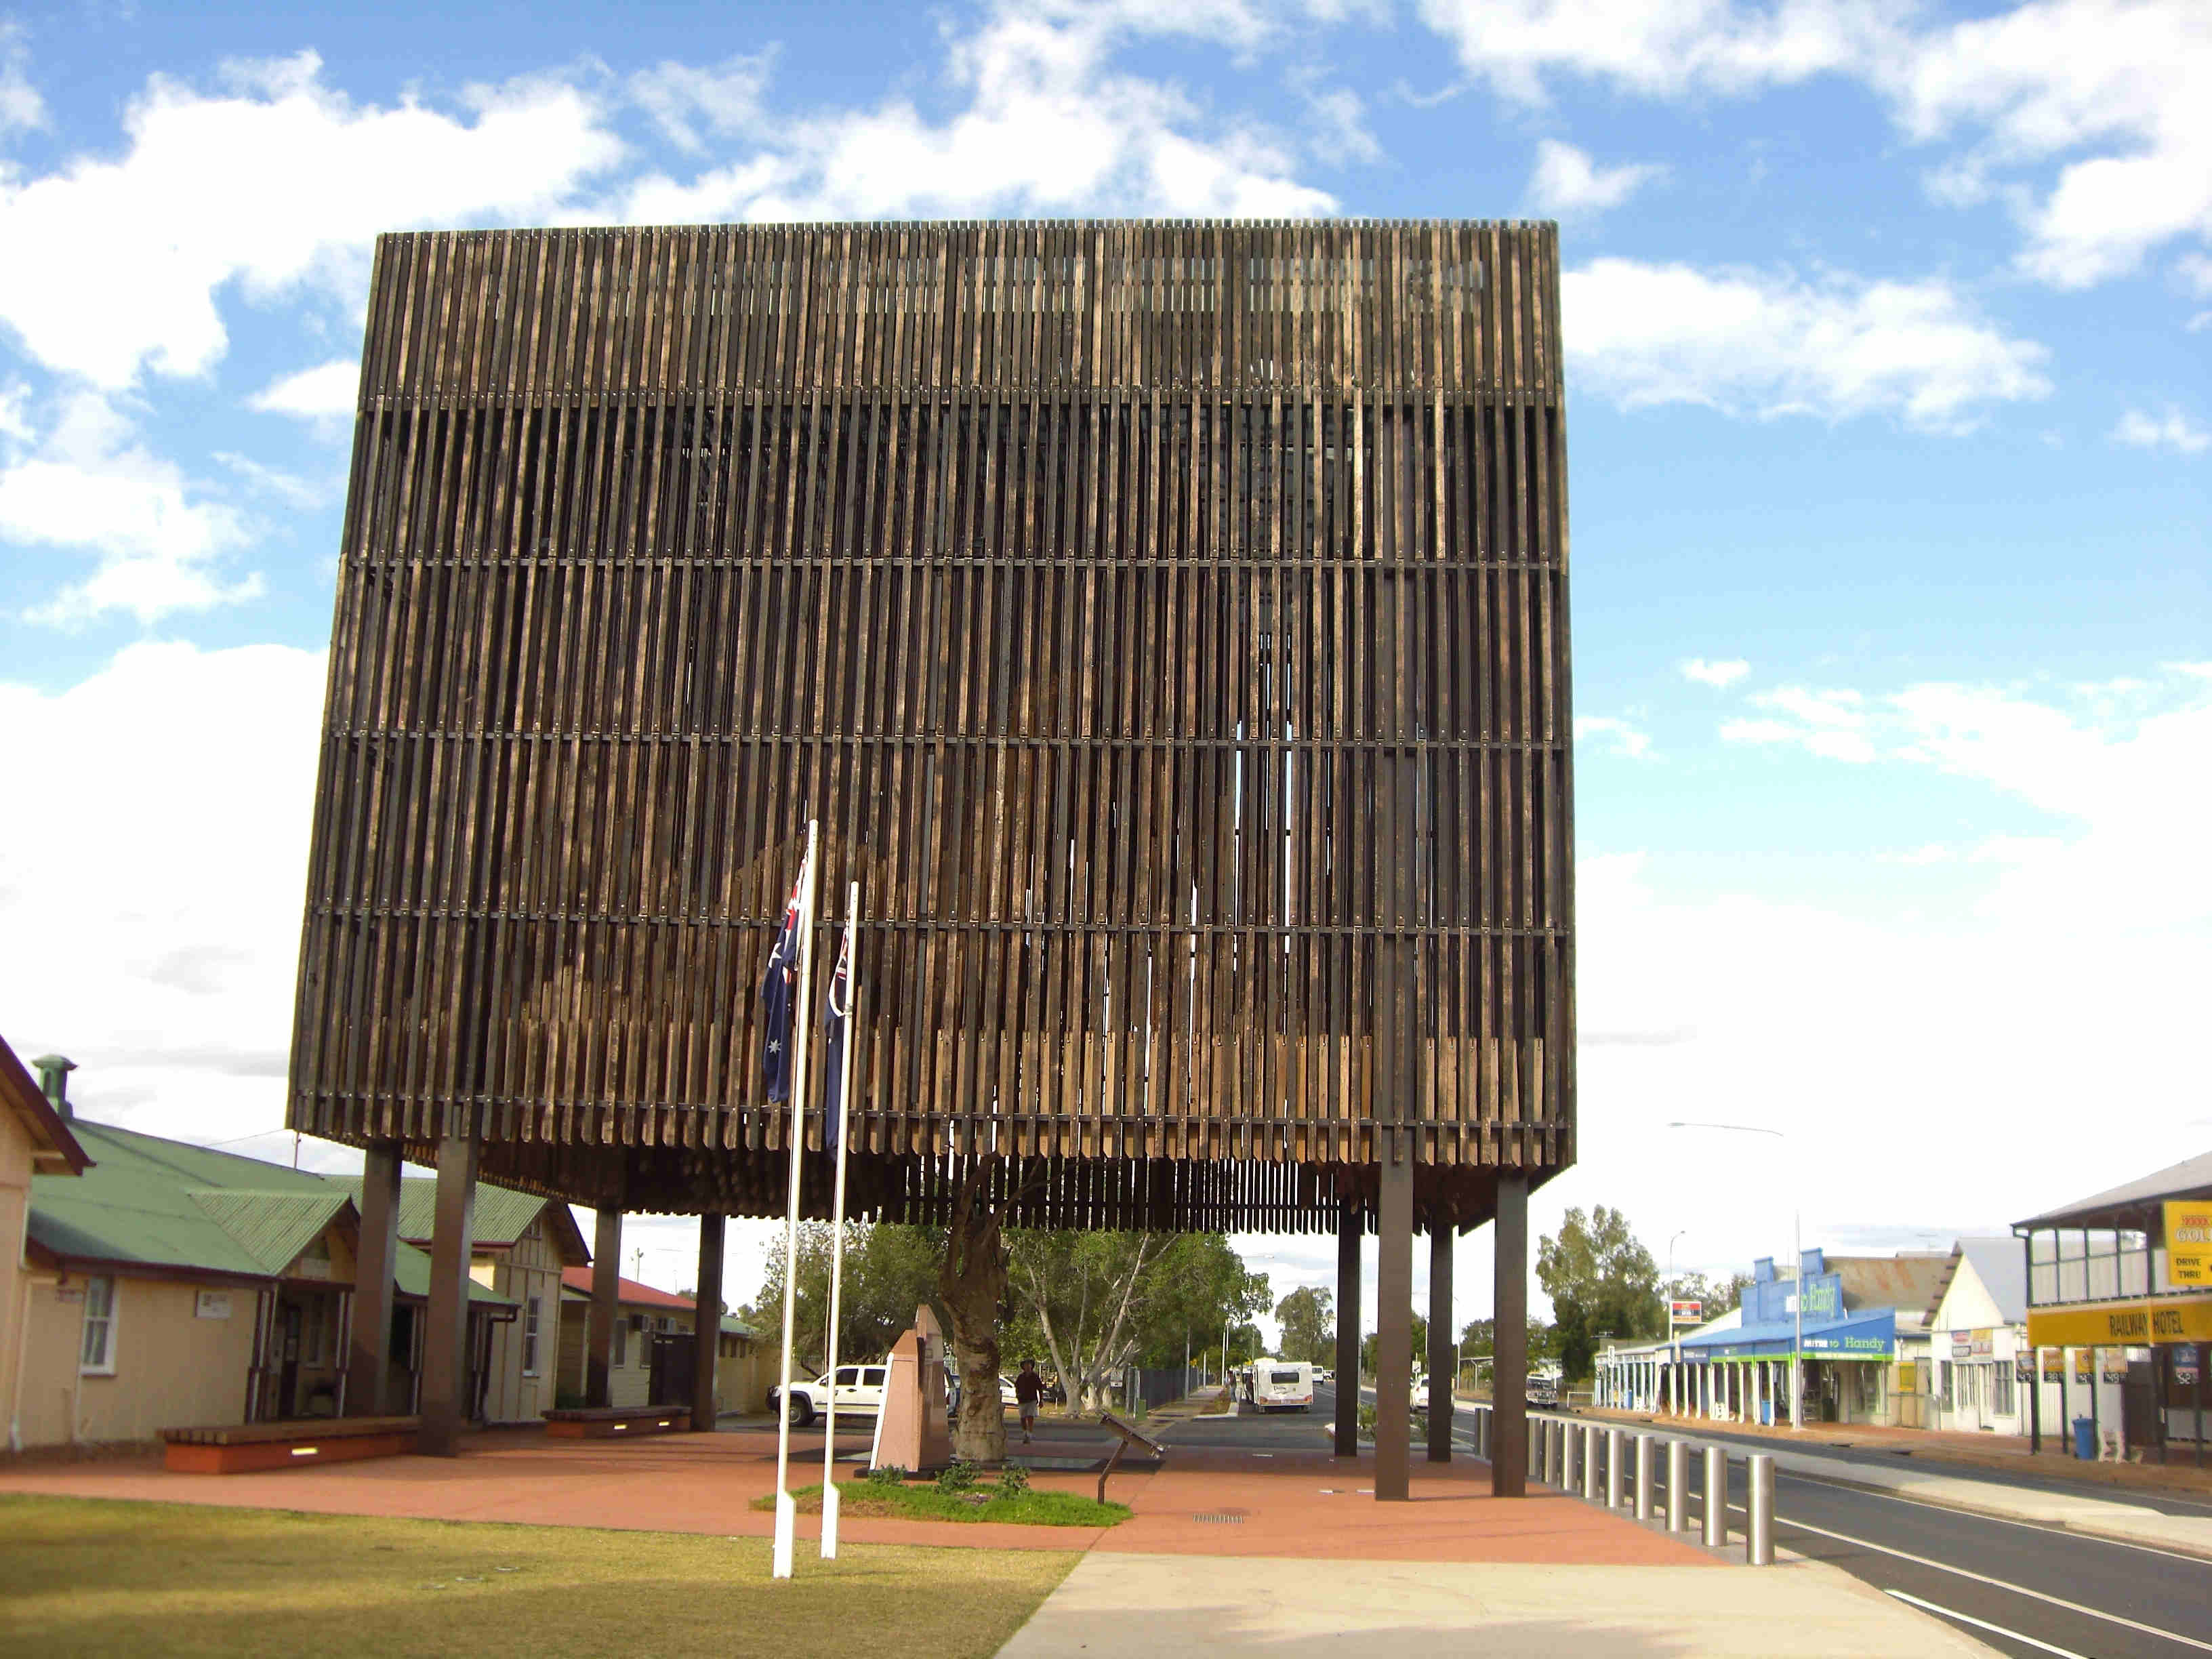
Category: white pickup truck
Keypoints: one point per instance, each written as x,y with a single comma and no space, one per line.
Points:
859,1389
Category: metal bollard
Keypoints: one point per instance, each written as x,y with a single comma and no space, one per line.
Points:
1758,1504
1570,1462
1613,1483
1716,1496
1642,1477
1678,1486
1536,1467
1558,1453
1592,1441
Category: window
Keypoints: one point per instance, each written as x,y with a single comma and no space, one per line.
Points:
2001,1376
530,1337
97,1356
848,1376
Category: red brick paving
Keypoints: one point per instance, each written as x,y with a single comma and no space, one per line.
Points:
1295,1505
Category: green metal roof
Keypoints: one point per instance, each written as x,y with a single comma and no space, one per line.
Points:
272,1228
167,1204
499,1217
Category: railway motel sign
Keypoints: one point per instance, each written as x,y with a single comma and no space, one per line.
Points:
1167,623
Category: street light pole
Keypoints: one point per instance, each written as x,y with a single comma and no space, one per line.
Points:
1796,1270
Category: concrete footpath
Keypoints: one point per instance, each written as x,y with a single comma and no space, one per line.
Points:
2116,1517
1117,1605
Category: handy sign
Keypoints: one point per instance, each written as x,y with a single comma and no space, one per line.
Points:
2023,1368
2189,1240
212,1304
2115,1365
2085,1360
1688,1313
2054,1364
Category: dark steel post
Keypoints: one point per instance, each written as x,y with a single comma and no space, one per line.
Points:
1349,1221
2035,1394
606,1306
445,1339
1393,1321
1443,1349
369,1364
707,1323
1508,1368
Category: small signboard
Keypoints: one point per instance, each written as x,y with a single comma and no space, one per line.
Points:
212,1304
2023,1368
1688,1312
2085,1364
2054,1364
2115,1365
2189,1240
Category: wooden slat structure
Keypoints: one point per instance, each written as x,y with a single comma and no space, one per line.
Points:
1166,622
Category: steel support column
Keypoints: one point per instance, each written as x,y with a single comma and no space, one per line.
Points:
607,1307
1351,1221
368,1358
706,1322
445,1337
1442,1350
1509,1369
1393,1323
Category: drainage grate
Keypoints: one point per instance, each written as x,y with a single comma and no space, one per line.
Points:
1223,1517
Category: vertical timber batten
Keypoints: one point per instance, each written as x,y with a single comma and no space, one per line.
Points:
1167,622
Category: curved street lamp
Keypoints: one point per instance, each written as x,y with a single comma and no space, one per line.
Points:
1797,1245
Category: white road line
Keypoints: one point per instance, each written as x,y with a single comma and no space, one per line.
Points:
2045,1528
1999,1583
1983,1624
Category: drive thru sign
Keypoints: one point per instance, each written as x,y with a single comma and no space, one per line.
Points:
2189,1240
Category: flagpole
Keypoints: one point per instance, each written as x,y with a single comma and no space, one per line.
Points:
846,1095
787,1511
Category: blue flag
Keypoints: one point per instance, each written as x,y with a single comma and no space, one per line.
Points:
835,1024
779,986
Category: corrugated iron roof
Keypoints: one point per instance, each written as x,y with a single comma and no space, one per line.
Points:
2122,1206
272,1228
499,1217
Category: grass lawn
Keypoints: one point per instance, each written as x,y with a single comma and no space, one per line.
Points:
923,1502
80,1576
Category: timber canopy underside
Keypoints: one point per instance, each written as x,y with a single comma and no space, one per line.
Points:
1158,1194
1166,623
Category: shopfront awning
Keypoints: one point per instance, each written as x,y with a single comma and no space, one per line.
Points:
1869,1334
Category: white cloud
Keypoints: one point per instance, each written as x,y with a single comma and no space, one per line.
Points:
1770,343
155,943
326,392
2125,78
1657,48
690,103
1566,182
20,106
158,543
1628,742
2171,430
1718,675
289,488
1047,126
135,251
15,412
1339,121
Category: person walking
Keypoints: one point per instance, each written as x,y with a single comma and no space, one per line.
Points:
1029,1389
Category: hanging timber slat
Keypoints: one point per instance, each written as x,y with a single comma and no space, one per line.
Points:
1167,623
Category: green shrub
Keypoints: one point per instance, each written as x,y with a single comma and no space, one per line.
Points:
890,1475
959,1475
1013,1480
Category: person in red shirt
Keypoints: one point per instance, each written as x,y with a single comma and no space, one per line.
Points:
1029,1389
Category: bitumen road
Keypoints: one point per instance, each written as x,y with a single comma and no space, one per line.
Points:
2019,1589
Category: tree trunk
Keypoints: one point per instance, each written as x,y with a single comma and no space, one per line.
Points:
973,1282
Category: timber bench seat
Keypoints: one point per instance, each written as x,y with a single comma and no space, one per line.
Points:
603,1422
236,1448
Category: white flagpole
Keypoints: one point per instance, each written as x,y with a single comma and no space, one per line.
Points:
852,957
787,1511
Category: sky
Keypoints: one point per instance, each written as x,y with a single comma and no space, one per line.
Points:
1890,429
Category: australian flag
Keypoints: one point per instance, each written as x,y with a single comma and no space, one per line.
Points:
834,1023
779,986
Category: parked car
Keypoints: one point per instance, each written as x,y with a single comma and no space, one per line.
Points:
1421,1392
860,1388
1543,1389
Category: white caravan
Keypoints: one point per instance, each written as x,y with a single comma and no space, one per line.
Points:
1281,1385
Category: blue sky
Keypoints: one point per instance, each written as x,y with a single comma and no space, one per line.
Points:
1890,432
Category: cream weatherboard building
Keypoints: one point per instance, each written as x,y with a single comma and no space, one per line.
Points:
34,1141
520,1245
649,1319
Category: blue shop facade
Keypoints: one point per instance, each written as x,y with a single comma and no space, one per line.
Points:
1849,1351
